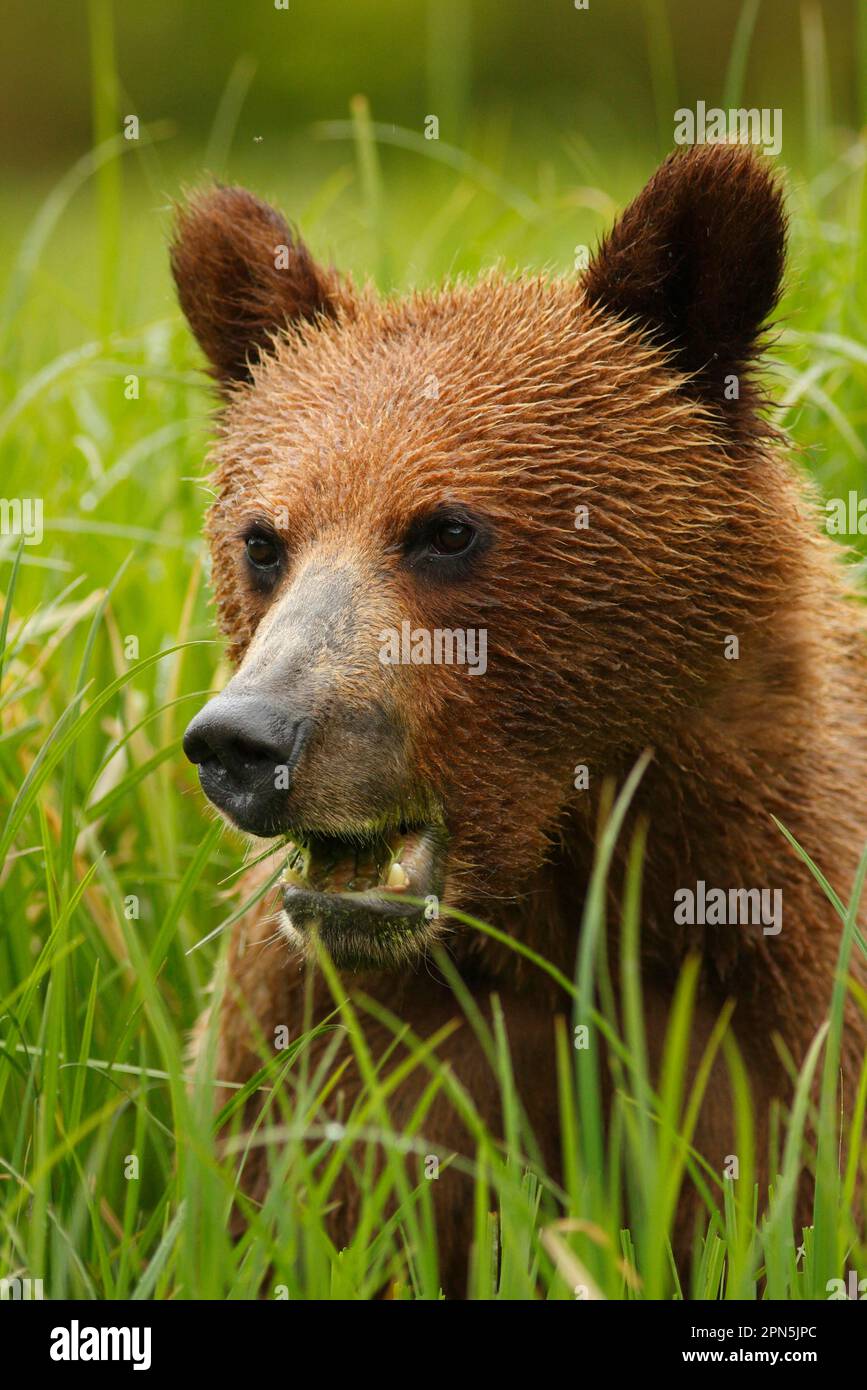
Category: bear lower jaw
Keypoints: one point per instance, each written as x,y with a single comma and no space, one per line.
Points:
372,901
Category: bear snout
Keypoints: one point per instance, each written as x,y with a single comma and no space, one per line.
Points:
246,751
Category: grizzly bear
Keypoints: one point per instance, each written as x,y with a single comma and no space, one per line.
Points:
466,542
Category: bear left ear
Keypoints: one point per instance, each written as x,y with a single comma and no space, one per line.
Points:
697,260
242,275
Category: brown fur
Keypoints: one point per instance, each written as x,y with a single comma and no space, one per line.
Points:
601,642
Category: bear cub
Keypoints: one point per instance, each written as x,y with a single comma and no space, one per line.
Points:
575,473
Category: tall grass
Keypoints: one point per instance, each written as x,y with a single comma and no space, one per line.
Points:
112,895
115,1184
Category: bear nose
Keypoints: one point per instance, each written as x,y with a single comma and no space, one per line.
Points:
246,750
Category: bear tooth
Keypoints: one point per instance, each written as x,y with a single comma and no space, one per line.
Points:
397,876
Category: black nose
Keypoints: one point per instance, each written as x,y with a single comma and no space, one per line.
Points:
246,750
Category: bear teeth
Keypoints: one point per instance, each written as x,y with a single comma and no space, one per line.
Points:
330,866
397,876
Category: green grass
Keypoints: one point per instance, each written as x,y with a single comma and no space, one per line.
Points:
114,873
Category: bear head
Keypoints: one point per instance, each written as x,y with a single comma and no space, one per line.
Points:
467,541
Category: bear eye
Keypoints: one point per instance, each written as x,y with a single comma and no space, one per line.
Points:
444,545
263,552
452,538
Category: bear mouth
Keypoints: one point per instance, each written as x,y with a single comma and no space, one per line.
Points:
372,898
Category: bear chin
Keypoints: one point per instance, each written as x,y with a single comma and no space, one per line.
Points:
359,931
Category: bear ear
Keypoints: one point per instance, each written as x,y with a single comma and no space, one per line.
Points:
697,260
241,275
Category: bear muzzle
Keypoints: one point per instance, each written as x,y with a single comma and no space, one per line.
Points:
247,750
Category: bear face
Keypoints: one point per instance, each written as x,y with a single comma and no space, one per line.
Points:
465,541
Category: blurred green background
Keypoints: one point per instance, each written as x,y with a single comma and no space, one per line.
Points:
546,70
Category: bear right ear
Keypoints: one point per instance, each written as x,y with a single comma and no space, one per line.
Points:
241,276
696,262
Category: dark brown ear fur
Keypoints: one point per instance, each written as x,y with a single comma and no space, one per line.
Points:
697,259
236,285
